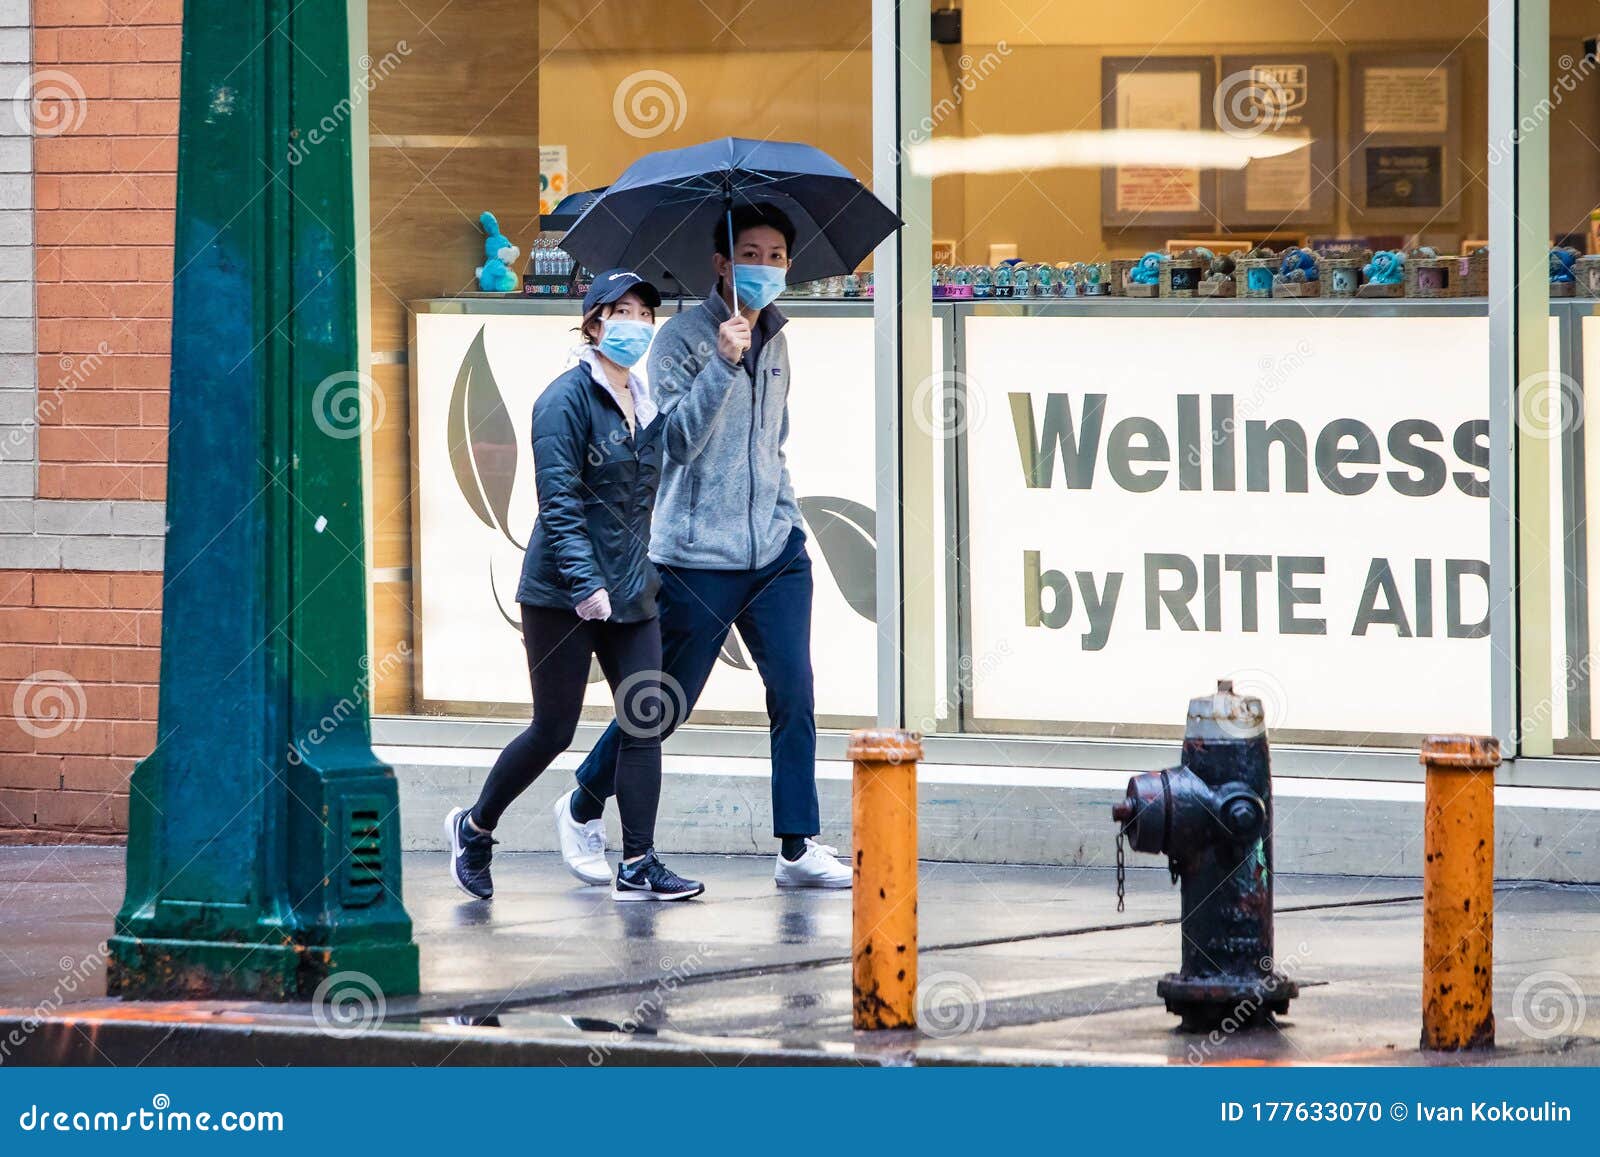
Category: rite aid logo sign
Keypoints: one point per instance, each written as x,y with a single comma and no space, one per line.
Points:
1284,88
1261,99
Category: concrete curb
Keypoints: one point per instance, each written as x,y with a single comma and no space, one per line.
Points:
125,1041
1041,816
115,1037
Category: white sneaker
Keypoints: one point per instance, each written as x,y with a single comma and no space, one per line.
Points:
583,846
818,868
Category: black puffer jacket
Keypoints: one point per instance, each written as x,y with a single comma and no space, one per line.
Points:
597,487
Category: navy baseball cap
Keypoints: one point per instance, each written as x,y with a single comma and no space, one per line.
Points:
613,283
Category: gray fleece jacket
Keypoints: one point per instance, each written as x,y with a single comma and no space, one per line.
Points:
725,501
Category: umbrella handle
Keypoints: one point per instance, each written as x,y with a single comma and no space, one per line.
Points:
733,284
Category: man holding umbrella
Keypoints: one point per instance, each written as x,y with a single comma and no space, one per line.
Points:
727,540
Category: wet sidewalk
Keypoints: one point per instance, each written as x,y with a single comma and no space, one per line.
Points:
1018,965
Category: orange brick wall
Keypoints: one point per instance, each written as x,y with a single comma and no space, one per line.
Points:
103,223
99,629
103,219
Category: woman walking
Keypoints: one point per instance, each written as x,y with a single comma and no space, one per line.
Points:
589,589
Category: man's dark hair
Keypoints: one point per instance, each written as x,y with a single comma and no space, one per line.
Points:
752,216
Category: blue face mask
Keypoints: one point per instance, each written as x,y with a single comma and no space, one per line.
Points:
625,342
758,286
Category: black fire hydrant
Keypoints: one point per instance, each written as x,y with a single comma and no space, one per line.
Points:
1211,816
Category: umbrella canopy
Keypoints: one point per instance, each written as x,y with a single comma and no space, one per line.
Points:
567,210
657,219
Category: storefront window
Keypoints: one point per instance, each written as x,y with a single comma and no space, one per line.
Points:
555,100
1220,423
1554,408
1208,419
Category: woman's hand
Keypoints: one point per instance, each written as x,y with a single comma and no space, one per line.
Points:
596,606
733,338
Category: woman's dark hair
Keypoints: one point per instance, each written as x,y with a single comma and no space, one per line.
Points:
752,216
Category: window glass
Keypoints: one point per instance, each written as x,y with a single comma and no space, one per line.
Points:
1225,355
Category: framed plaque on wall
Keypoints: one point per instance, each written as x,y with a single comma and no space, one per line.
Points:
1404,146
1282,95
1170,93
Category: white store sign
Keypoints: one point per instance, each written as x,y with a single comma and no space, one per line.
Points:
1299,503
467,566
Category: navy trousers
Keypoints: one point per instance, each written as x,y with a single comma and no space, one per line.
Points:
772,609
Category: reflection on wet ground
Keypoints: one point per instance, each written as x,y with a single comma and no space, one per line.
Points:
1017,963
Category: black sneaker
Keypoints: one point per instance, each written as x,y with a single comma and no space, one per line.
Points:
470,853
649,879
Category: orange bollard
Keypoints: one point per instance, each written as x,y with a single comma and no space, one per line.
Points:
1458,892
884,832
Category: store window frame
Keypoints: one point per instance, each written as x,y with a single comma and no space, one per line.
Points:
1519,321
918,654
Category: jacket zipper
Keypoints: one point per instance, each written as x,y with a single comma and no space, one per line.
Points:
633,443
750,459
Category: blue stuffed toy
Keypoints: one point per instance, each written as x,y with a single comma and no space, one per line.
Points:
1298,265
1387,267
1147,271
1561,261
495,275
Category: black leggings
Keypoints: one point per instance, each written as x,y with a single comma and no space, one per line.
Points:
559,645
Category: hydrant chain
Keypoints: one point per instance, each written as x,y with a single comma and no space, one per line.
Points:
1122,872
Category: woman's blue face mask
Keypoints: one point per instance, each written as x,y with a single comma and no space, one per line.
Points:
624,341
758,286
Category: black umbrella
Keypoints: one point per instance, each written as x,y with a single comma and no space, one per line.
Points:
658,216
567,210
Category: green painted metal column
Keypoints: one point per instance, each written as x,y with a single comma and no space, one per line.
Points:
263,848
